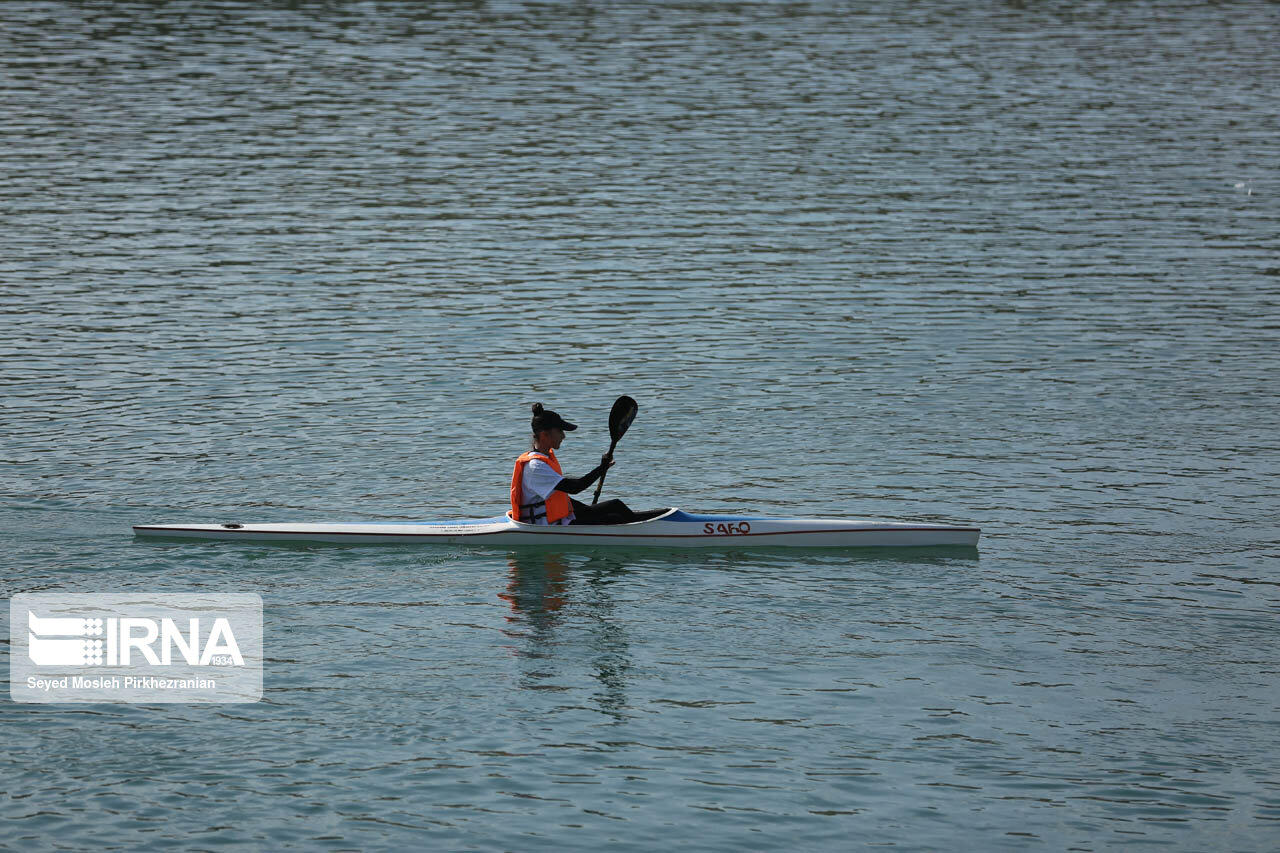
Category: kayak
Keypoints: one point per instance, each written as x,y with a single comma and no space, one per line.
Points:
662,528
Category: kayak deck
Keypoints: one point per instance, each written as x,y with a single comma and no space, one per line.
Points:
666,528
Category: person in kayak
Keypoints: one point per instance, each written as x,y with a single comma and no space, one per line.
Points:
540,491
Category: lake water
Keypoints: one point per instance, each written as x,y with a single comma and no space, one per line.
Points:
1011,265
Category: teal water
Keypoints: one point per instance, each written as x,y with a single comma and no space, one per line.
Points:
1012,265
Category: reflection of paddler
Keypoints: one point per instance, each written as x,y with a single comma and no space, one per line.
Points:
538,590
537,583
540,491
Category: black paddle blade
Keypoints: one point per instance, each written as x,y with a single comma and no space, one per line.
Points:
620,417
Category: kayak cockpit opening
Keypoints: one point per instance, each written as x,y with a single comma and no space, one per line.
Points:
651,514
637,517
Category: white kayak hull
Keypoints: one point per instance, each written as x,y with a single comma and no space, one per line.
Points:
671,529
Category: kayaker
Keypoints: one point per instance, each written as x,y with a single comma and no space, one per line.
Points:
540,491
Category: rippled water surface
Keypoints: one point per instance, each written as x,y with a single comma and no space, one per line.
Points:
1013,265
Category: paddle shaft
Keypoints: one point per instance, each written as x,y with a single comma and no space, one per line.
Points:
600,483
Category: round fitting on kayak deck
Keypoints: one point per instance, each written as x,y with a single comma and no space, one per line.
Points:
233,526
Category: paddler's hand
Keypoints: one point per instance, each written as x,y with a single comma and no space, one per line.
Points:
606,461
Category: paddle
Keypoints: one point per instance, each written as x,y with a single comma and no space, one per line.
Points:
620,417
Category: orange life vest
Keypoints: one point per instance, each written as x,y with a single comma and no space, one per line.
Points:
554,508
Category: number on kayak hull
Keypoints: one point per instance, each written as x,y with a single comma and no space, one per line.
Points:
723,528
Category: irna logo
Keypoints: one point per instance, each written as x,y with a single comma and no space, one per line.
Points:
135,647
129,641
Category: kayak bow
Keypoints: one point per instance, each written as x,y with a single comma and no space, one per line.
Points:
663,528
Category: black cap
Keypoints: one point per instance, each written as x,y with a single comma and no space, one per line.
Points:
547,419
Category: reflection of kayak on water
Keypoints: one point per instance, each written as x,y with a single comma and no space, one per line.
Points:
662,528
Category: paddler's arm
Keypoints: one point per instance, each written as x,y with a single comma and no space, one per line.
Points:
573,485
